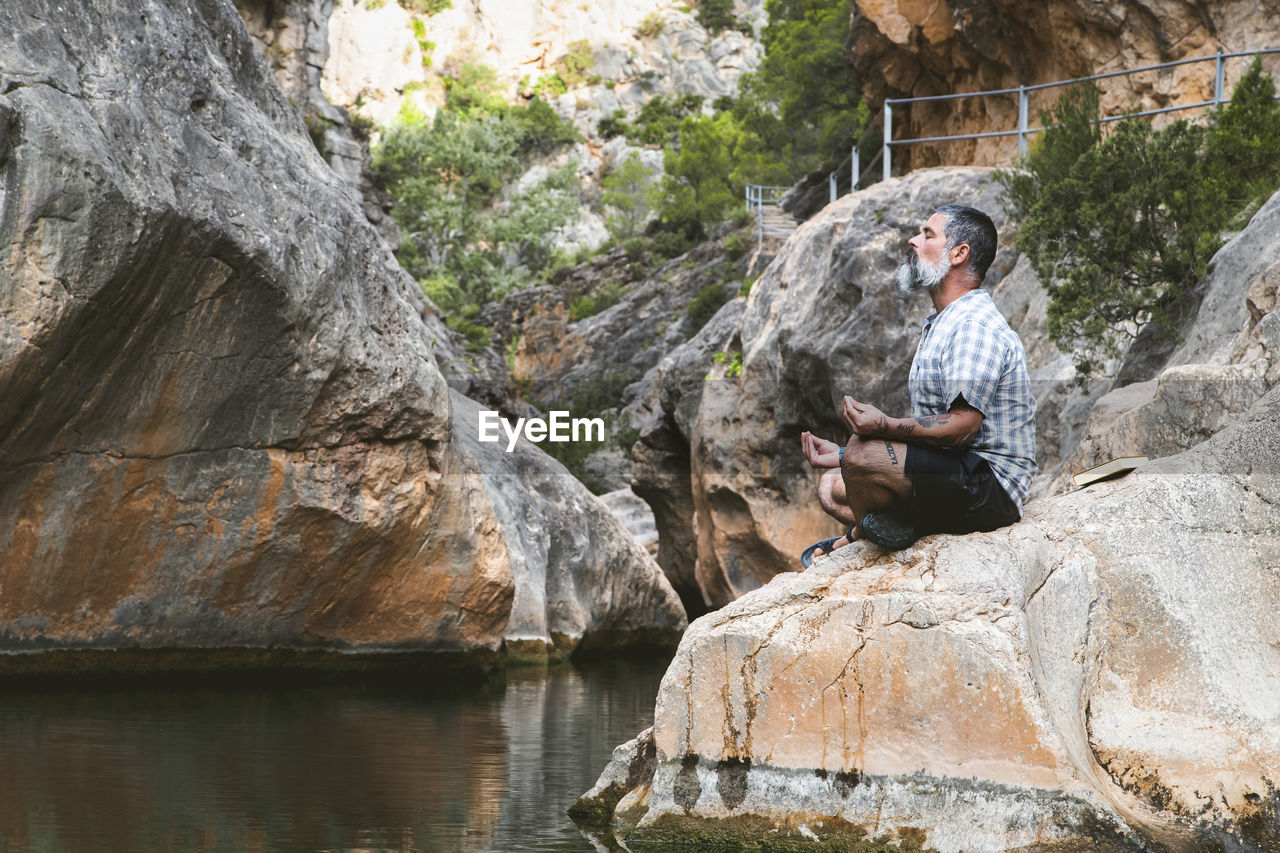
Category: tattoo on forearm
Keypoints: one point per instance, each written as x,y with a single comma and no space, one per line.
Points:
893,456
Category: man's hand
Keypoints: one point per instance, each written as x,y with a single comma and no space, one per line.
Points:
864,419
819,452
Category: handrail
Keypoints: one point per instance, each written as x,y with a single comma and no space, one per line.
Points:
760,196
1023,93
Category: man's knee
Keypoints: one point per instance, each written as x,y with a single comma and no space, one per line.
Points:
860,460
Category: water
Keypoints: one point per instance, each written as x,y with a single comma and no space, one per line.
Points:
315,769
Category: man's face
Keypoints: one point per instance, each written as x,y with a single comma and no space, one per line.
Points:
927,262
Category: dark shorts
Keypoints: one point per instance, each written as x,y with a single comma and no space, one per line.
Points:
955,492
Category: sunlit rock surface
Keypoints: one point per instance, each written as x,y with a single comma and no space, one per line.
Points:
639,48
1106,671
223,422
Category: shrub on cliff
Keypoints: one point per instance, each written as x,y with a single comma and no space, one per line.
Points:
1120,225
447,176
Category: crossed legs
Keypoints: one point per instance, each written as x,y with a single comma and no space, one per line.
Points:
870,477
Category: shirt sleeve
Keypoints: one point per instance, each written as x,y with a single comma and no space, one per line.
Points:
971,366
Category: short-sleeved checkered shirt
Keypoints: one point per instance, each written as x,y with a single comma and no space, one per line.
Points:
967,349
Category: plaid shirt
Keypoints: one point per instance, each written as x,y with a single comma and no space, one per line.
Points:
968,349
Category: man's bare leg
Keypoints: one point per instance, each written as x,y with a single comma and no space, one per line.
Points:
870,477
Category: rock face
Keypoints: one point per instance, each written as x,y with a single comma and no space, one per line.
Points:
823,320
224,425
1105,673
903,48
293,36
638,47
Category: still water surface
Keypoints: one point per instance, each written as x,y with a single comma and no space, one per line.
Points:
316,769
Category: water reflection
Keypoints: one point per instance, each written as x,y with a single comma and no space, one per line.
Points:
333,769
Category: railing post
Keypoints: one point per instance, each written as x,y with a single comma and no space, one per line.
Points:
888,135
855,171
760,217
831,187
1219,80
1022,120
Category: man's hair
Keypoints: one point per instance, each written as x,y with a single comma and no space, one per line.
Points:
972,226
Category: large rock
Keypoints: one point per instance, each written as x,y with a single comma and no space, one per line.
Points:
903,48
1103,675
823,320
223,424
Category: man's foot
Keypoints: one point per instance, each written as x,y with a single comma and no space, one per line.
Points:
888,530
826,546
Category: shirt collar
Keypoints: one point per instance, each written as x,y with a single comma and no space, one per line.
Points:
928,320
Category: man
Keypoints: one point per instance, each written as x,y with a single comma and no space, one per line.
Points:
964,459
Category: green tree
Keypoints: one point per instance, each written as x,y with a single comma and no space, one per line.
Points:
1243,145
717,16
702,183
802,104
629,191
1121,226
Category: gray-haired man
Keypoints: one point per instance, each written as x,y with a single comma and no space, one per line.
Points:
964,459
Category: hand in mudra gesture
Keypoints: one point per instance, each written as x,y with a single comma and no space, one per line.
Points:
820,452
863,418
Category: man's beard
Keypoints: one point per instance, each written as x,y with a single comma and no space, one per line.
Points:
915,275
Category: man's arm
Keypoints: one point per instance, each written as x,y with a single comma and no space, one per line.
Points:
955,428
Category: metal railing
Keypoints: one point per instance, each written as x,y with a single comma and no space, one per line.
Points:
1024,100
760,196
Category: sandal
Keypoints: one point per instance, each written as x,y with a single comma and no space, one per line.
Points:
826,546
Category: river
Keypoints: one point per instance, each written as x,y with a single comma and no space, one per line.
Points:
336,768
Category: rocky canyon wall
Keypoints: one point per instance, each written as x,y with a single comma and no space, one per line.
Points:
223,424
903,48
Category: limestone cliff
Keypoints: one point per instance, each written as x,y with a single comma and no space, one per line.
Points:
1102,675
904,48
224,425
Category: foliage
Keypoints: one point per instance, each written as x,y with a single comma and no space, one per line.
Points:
705,303
703,177
651,26
574,68
1243,146
1120,226
801,106
584,306
630,192
657,123
425,45
427,7
601,392
447,176
473,86
733,369
716,16
550,86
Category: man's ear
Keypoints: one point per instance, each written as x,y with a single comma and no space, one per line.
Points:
959,255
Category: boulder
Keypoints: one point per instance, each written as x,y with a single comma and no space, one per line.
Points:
1103,675
225,426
